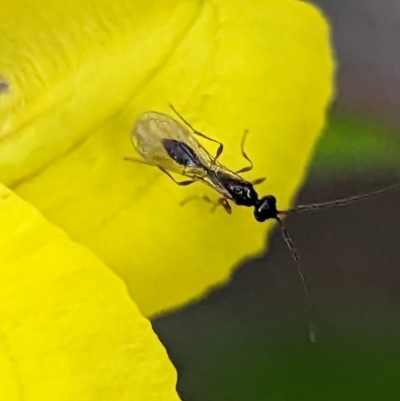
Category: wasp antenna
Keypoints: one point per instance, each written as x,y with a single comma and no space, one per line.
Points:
312,326
340,202
179,115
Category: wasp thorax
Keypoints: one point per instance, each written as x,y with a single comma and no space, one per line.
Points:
242,193
266,209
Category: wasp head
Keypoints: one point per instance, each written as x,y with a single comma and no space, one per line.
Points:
265,208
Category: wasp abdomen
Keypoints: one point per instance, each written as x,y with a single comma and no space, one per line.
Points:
181,153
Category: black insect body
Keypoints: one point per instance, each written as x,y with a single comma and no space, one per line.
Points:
182,153
241,192
233,187
167,144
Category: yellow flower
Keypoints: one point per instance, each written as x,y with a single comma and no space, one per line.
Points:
74,77
69,330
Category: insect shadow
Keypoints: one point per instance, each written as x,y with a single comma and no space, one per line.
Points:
172,147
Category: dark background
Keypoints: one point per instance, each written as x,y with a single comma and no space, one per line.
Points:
248,341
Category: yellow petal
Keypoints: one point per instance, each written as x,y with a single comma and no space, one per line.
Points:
68,330
92,67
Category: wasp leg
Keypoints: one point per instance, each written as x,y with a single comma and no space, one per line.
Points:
220,202
131,159
258,181
183,183
223,202
247,168
198,133
196,197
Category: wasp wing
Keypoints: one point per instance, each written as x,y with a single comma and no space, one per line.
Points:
164,142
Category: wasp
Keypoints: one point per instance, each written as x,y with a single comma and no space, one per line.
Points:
173,147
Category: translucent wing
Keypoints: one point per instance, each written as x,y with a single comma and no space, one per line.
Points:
164,142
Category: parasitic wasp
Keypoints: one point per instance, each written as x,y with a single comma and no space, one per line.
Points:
173,147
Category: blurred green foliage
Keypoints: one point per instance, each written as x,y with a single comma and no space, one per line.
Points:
254,366
357,146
